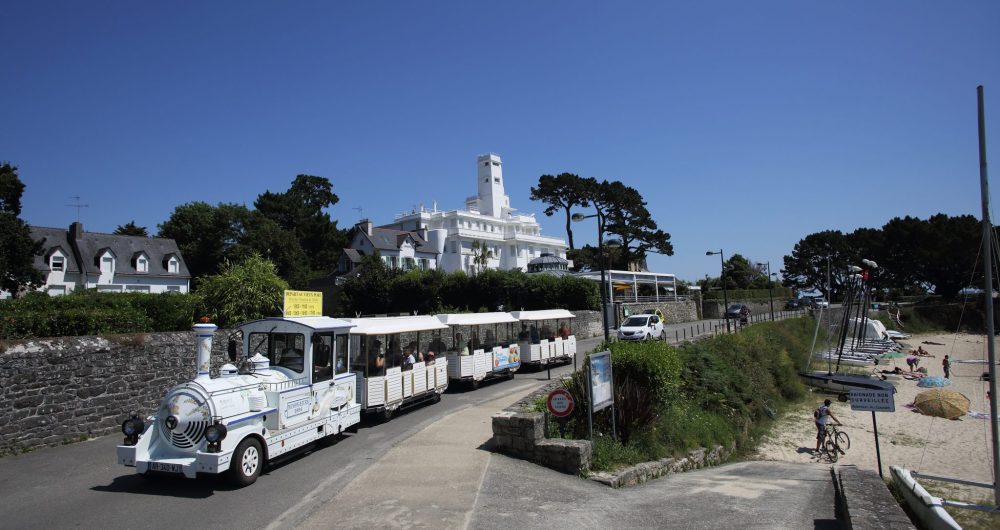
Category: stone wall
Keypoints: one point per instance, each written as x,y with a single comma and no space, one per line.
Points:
866,502
674,312
587,324
66,389
714,309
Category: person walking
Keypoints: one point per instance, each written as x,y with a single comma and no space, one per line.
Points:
822,415
946,363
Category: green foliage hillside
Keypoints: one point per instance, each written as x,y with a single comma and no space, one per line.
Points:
718,391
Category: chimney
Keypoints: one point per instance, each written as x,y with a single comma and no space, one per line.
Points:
204,332
76,230
366,225
423,232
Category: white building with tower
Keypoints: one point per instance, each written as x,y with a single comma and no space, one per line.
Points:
512,239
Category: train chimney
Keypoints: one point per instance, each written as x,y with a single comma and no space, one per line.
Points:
204,332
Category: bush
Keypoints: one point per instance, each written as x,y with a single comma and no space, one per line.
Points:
247,290
712,392
88,312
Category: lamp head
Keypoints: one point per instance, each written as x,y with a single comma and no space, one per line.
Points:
578,216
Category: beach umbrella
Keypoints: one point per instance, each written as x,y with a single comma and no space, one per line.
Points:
933,382
942,403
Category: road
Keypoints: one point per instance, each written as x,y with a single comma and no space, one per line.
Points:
80,485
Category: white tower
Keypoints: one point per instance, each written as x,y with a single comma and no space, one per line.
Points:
490,177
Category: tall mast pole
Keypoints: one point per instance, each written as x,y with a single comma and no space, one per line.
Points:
988,264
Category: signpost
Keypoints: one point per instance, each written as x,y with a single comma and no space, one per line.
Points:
303,304
875,401
600,388
560,404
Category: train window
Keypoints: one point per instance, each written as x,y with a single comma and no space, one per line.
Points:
322,357
374,352
342,359
287,350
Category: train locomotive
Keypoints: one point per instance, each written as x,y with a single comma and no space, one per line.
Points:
289,385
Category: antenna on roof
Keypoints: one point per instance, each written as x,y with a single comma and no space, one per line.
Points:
77,206
361,211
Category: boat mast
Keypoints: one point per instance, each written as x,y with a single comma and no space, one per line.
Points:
988,264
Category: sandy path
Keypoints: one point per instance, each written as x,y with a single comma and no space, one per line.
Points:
957,448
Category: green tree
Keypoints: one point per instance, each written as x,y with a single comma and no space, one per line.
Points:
245,290
17,248
563,192
300,211
131,229
806,268
205,234
369,289
621,212
628,218
261,235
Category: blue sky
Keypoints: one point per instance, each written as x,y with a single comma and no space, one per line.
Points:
746,125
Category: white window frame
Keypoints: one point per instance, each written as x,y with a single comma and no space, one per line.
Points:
173,266
142,264
60,259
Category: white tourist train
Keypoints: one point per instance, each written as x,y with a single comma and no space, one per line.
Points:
397,361
546,337
481,346
297,380
290,386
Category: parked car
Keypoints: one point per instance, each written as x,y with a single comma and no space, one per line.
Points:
738,312
819,301
794,305
641,327
656,312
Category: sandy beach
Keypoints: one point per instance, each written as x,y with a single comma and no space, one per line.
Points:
955,448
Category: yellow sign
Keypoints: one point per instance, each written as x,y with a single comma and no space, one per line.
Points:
303,304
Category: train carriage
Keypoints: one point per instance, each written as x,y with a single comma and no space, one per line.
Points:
398,362
548,338
481,346
288,387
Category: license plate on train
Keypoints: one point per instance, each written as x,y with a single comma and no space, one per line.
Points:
164,467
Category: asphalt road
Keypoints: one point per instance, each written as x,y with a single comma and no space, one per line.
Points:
80,485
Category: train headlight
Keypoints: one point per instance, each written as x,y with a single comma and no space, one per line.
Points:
214,434
132,428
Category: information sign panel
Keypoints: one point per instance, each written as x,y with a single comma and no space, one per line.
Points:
600,380
303,304
873,400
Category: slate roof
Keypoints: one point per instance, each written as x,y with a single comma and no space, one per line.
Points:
54,238
91,245
353,255
389,239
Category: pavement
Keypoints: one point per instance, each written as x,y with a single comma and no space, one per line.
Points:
445,476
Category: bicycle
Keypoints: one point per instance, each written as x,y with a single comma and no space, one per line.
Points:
837,443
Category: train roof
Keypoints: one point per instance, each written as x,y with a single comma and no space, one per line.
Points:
543,314
314,323
381,325
475,319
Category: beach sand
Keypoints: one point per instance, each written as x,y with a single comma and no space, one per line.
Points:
954,448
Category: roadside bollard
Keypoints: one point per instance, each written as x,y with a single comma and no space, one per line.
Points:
685,334
676,336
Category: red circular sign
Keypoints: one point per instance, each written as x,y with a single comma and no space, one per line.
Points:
560,403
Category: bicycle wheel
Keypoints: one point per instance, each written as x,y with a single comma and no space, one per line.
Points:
831,450
843,441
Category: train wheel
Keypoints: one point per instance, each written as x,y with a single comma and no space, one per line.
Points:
387,414
248,459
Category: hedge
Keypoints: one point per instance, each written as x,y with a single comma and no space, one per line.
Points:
88,312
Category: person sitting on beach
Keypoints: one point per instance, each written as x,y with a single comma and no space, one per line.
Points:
822,416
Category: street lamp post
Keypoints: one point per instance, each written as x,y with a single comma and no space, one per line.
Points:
770,287
725,290
600,245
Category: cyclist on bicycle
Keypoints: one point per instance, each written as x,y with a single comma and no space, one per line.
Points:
822,416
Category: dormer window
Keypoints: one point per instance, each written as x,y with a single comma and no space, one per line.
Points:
107,265
173,266
140,261
57,263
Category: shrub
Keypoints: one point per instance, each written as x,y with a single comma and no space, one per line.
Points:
247,290
88,312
